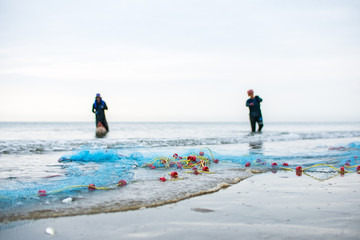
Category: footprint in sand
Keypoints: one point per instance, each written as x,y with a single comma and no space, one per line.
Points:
202,210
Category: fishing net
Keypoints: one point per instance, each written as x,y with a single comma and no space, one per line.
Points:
99,169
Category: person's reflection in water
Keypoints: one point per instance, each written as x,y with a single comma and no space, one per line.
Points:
255,147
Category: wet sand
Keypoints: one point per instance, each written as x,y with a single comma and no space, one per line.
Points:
265,206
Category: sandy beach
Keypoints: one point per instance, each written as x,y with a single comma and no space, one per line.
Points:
265,206
219,120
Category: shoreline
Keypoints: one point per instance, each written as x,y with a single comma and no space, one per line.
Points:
49,214
264,206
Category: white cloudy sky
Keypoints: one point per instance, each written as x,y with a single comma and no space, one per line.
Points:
190,60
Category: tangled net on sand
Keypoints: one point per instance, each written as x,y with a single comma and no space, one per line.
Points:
198,163
109,170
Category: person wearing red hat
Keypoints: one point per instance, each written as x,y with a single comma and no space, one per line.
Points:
253,103
99,108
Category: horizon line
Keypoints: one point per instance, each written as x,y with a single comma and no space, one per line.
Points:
179,122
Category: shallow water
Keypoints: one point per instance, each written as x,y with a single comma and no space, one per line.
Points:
30,153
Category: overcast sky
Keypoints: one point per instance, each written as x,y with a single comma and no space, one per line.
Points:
179,60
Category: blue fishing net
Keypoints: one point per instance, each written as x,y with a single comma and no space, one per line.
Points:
91,155
104,168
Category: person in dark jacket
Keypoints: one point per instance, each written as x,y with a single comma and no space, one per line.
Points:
99,108
255,112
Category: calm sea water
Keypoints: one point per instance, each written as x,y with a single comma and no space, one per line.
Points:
29,154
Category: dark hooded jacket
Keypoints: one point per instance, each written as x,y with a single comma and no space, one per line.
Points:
255,110
99,110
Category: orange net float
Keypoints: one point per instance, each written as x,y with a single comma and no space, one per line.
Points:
91,186
298,171
122,183
42,193
285,164
174,174
247,164
216,161
274,164
192,158
152,166
162,179
206,169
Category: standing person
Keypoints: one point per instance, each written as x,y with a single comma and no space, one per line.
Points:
99,108
255,112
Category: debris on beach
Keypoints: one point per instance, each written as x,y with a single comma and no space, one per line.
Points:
67,200
50,231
